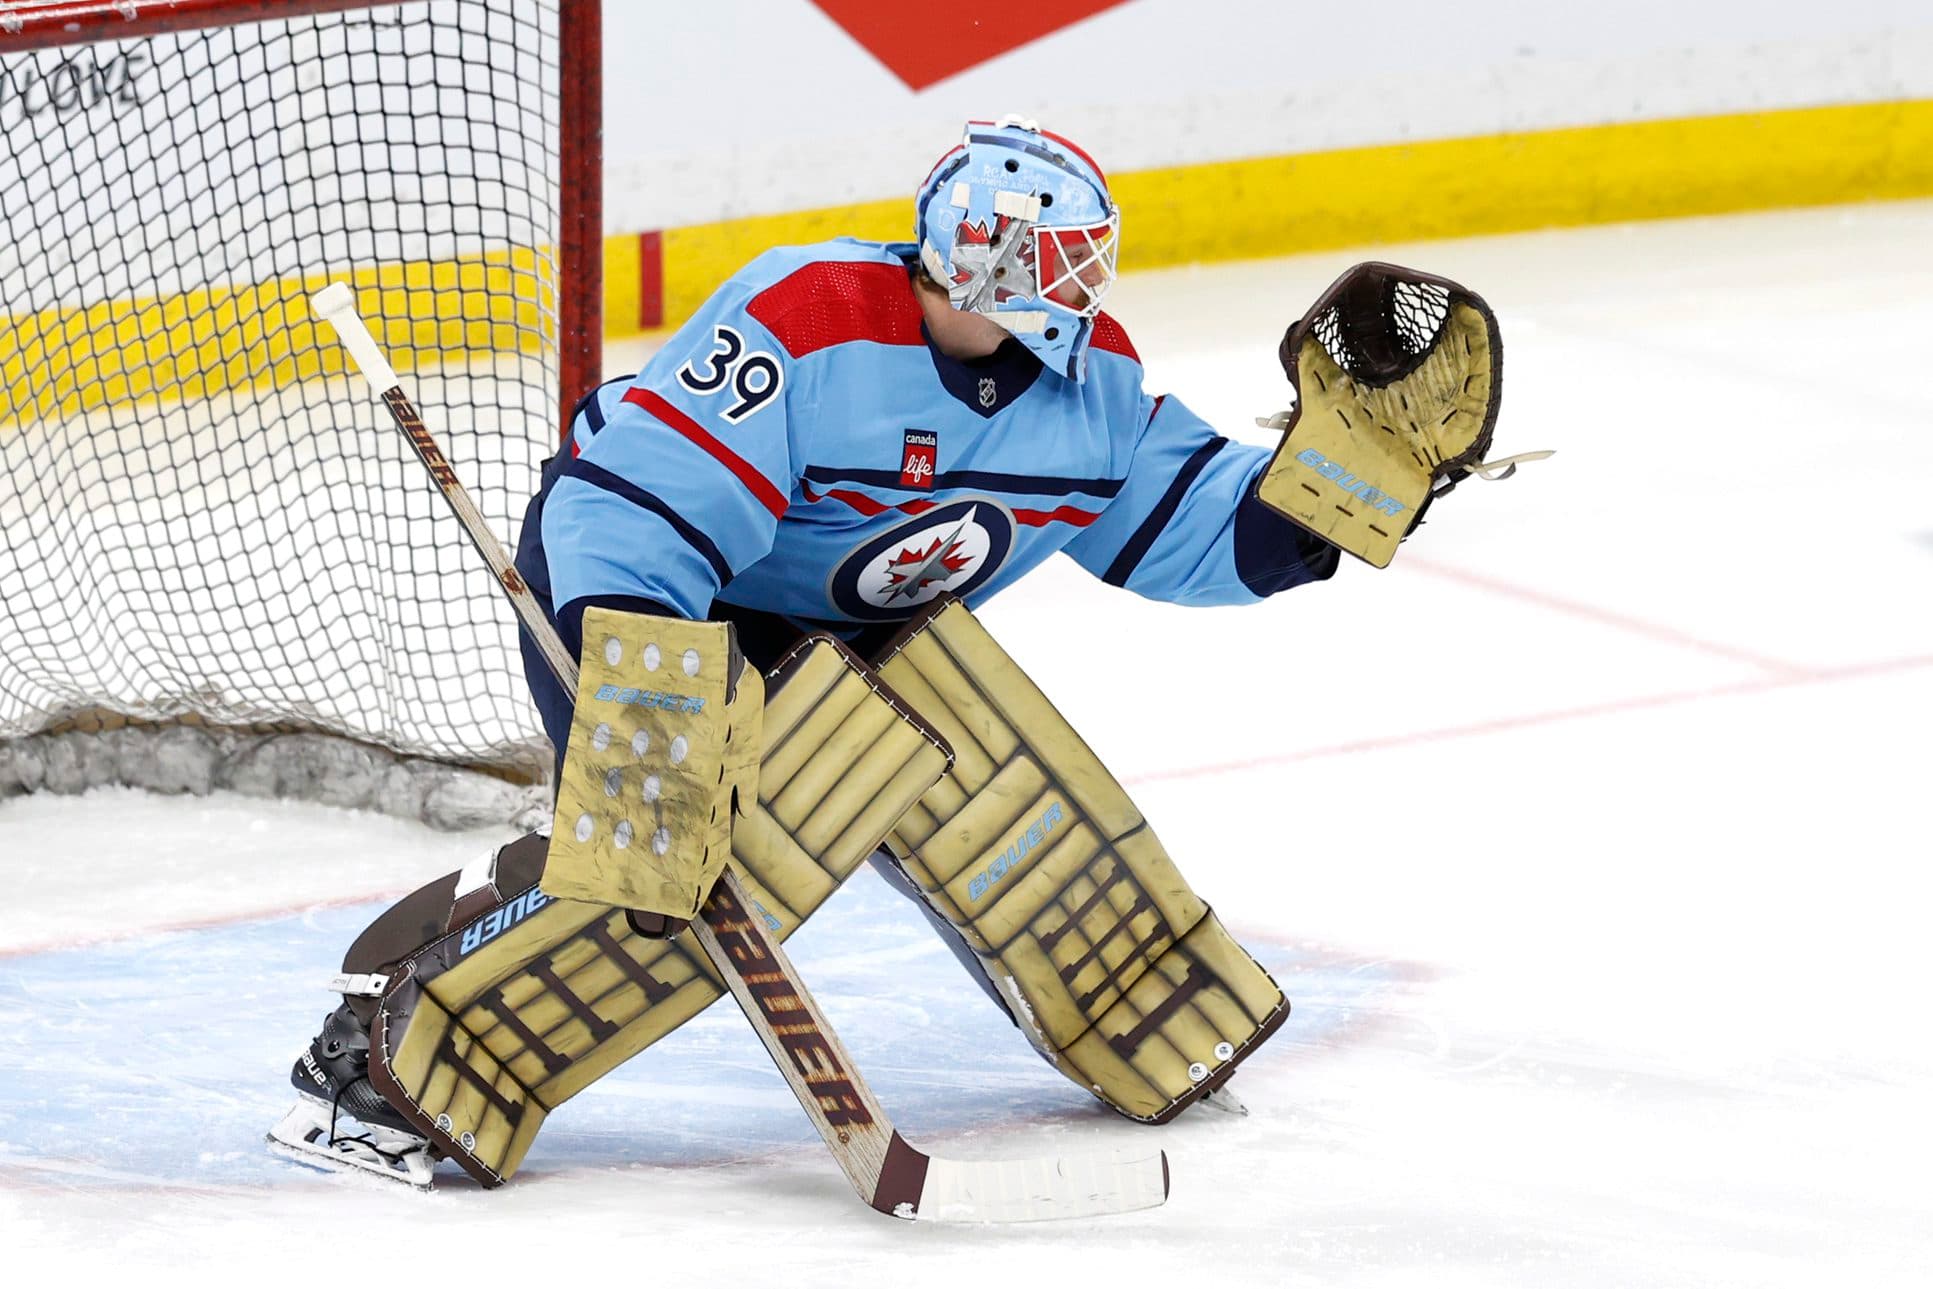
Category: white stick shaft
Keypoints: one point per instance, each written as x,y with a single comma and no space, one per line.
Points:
337,306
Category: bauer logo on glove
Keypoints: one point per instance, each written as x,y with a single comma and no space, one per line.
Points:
1399,376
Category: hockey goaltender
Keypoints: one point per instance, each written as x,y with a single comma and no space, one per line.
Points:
759,558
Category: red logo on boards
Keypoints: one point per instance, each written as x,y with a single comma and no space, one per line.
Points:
921,460
912,54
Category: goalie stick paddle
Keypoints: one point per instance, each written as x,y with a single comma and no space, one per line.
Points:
889,1173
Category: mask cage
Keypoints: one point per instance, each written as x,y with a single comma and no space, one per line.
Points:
1083,257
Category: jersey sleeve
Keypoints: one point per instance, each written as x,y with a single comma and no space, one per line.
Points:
1186,526
678,481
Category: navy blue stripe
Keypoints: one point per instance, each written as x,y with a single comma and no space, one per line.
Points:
589,408
1027,485
1144,537
598,477
1274,553
569,620
847,625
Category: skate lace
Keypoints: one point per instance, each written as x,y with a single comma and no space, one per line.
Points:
366,1139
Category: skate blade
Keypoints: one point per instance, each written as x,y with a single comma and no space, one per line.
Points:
1224,1100
303,1136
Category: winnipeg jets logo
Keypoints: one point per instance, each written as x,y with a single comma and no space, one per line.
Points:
988,391
944,558
953,548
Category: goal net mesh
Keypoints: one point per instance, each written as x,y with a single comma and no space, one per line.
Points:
205,518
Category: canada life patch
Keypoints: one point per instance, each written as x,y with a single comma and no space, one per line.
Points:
953,548
921,460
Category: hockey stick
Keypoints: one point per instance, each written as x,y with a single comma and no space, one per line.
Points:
889,1173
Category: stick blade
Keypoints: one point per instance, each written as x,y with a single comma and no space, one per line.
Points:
1042,1190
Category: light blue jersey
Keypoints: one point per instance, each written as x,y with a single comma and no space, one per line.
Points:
798,447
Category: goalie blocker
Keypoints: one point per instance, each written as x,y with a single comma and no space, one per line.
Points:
663,753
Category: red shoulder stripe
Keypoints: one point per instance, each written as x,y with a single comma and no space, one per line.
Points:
1109,335
866,506
761,487
833,302
1058,515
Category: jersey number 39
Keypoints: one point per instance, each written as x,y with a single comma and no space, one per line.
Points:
755,377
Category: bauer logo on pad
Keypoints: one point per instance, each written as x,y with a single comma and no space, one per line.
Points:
921,459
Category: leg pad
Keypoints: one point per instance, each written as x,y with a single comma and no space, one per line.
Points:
1119,973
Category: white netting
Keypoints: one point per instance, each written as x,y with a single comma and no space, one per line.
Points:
201,518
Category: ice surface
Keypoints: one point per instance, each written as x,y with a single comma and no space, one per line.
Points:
1588,840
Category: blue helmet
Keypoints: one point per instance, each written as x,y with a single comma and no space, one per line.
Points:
1017,224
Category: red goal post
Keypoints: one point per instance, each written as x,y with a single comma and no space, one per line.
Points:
206,529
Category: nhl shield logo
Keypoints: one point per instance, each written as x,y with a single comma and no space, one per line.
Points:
989,392
953,548
920,461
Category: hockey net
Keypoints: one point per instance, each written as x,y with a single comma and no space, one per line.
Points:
221,565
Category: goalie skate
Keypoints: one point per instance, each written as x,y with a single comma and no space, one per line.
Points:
318,1133
339,1121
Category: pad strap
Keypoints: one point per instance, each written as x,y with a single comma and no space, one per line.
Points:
359,984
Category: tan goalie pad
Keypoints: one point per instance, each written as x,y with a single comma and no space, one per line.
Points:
1120,974
1399,376
664,738
483,1032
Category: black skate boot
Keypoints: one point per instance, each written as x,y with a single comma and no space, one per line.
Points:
340,1120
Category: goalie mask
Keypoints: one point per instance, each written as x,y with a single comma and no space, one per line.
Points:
1017,225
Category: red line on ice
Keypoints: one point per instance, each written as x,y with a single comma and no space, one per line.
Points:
1605,617
200,924
1503,724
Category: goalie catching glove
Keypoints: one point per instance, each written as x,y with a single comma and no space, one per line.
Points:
1398,376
